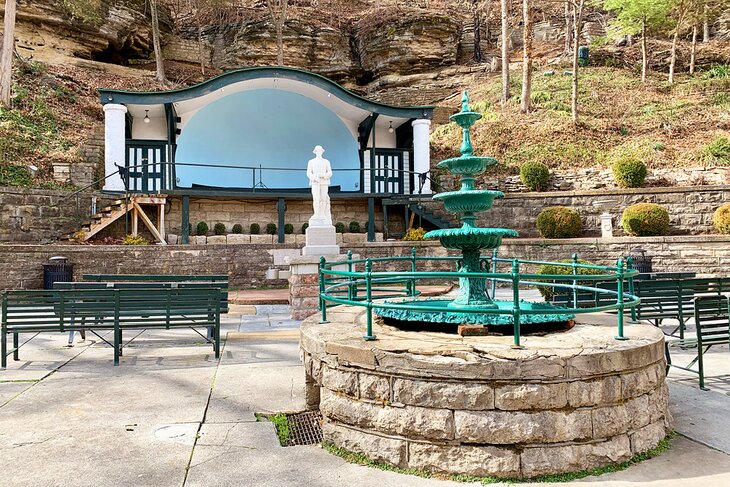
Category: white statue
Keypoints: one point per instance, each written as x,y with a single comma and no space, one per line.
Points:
319,173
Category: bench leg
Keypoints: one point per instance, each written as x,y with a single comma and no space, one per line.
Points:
3,350
16,346
701,368
669,358
71,338
117,344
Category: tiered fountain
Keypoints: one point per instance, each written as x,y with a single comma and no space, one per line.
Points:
473,300
408,395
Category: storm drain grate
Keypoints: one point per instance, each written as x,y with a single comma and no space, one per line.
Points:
305,428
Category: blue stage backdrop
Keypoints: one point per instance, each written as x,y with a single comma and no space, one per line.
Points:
271,128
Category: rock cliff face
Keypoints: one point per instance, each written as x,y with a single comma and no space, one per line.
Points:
107,30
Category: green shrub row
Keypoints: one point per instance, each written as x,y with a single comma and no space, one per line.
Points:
628,172
254,229
641,219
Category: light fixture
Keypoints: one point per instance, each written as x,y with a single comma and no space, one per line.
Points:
146,116
390,128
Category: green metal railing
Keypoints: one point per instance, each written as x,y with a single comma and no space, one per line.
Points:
353,282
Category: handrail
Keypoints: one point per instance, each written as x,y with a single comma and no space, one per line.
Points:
340,286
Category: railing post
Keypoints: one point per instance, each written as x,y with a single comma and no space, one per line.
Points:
322,302
630,266
516,302
369,300
350,291
494,271
575,281
413,269
620,298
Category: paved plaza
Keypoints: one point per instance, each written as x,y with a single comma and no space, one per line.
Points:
173,415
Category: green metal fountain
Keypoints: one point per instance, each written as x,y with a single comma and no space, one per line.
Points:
467,201
473,303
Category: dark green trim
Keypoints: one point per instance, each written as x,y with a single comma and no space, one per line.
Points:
371,219
281,213
185,230
214,84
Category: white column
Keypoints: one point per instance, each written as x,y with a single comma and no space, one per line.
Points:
421,153
114,144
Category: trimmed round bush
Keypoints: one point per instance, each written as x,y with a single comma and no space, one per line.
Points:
535,175
629,173
340,227
559,222
721,219
219,229
304,227
645,220
254,229
201,228
288,229
549,292
354,227
271,229
237,228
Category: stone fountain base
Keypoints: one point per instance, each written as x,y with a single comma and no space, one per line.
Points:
569,401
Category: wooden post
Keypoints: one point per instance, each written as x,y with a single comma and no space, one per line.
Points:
135,220
161,220
281,210
371,219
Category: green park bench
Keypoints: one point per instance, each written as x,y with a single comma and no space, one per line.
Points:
108,309
182,281
712,319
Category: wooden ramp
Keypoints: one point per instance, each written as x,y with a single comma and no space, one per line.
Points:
120,208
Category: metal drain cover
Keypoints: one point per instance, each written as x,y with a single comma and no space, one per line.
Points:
305,428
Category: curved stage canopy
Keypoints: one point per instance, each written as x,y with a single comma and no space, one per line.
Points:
261,118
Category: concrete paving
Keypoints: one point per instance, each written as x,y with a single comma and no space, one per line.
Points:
173,415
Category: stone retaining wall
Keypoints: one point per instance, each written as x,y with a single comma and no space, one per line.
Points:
690,209
246,264
475,407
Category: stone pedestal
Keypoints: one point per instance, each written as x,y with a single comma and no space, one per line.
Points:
304,283
321,240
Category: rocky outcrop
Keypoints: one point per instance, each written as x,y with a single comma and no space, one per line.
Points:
117,31
412,42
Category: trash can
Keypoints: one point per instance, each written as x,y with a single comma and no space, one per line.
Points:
641,261
583,55
57,269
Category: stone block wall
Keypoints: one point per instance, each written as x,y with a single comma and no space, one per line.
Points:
40,216
263,211
469,407
690,209
246,264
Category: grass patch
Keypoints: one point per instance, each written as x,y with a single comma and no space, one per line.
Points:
360,459
717,152
281,425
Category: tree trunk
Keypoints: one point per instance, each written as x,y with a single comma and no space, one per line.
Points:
525,104
6,57
200,37
159,61
277,9
505,52
568,27
644,61
577,25
693,50
673,55
706,25
477,31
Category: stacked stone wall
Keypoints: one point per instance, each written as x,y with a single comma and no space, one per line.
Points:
472,408
246,264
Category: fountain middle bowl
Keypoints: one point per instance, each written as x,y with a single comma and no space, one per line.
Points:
467,165
470,238
465,201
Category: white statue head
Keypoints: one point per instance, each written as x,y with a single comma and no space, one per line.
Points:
318,151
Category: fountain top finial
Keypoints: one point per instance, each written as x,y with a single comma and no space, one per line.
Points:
465,102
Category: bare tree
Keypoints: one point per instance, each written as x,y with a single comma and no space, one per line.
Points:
477,18
504,5
159,60
568,27
6,59
525,103
706,23
277,9
577,26
693,50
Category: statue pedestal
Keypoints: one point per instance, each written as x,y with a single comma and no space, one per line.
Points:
321,240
